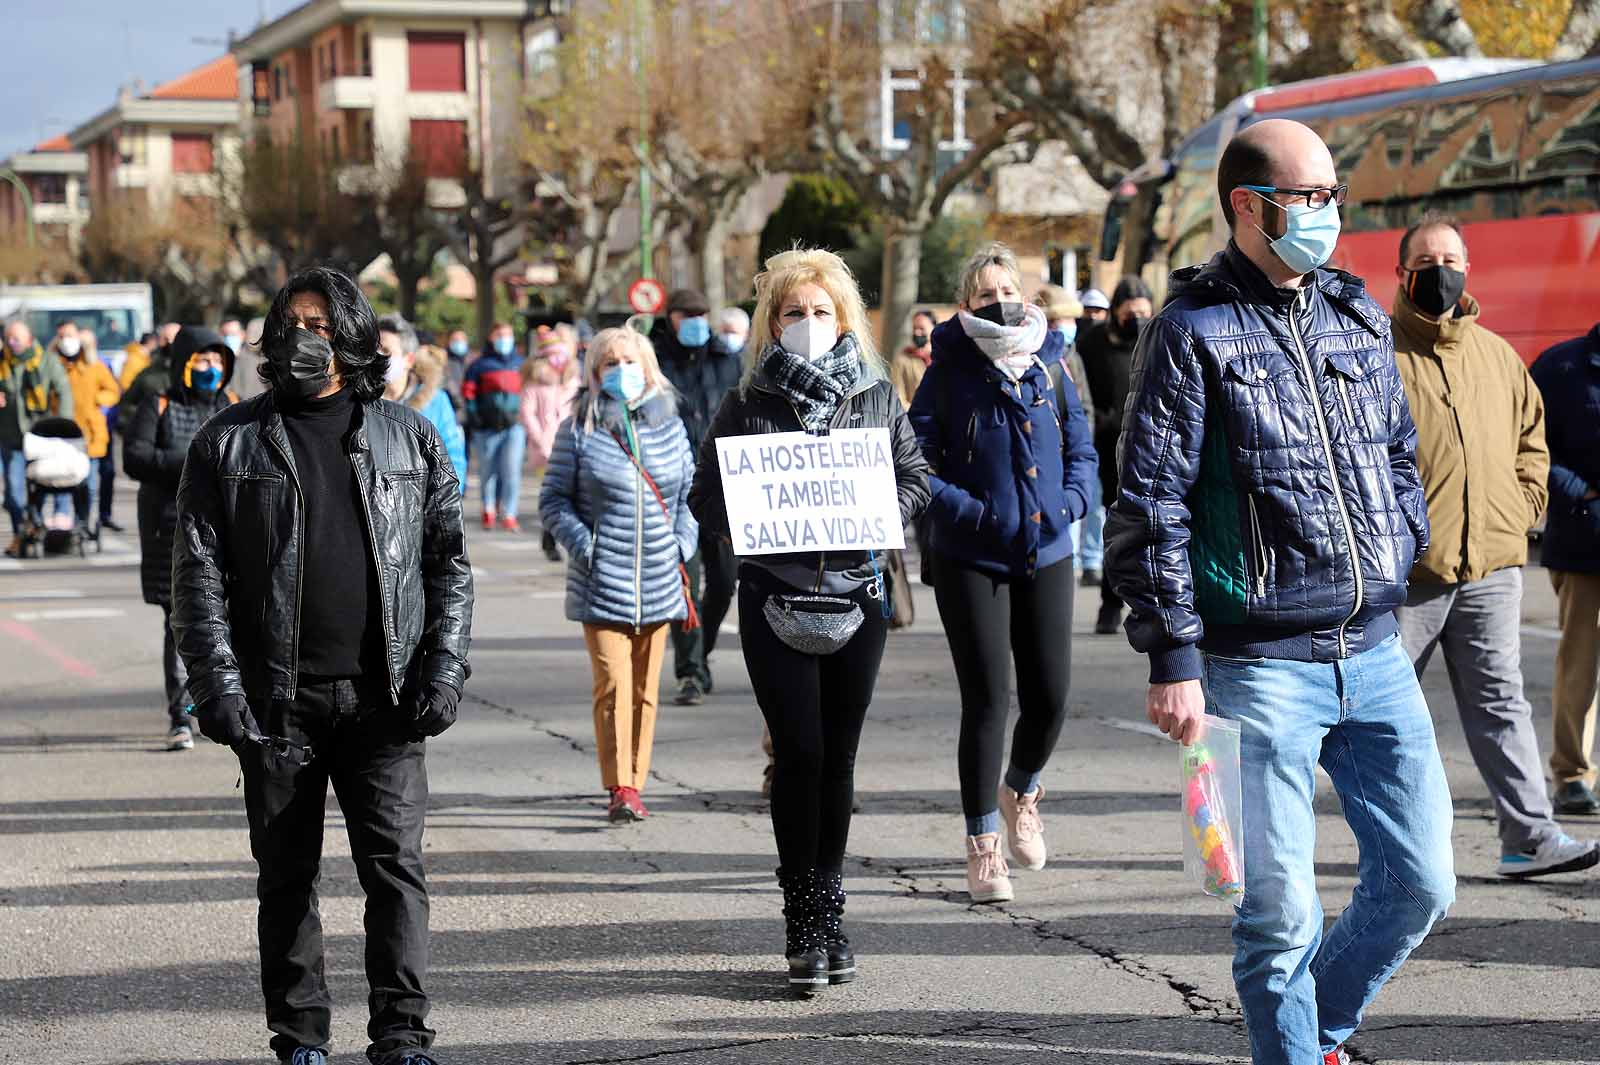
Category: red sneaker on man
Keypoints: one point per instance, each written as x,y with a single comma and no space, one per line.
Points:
1336,1056
488,521
509,524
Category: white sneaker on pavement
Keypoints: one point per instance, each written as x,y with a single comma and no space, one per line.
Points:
1559,853
988,876
1024,830
180,739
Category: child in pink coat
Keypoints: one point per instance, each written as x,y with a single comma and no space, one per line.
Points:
550,380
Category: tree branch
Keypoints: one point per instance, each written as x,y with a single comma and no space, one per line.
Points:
1581,36
1440,21
1389,37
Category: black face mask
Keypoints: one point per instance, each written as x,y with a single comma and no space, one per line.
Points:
1131,326
1435,289
919,340
300,365
1006,314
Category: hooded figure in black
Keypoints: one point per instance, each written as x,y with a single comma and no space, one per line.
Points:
154,445
1107,352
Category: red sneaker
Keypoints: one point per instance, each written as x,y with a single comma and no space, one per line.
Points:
1336,1056
621,810
636,804
488,520
509,524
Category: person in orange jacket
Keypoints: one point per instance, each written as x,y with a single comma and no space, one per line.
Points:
93,388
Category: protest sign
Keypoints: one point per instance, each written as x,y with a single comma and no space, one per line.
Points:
798,492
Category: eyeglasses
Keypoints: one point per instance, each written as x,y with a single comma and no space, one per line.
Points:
285,749
320,326
1315,198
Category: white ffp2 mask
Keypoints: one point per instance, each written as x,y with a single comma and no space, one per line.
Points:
810,338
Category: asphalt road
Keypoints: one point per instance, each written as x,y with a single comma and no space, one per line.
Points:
127,894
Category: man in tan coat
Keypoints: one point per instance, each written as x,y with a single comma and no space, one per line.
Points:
1481,453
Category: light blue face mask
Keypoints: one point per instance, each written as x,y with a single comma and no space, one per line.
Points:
1310,236
694,332
504,345
625,382
1069,332
458,348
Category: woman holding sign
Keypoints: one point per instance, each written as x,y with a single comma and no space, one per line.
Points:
814,453
615,496
1013,468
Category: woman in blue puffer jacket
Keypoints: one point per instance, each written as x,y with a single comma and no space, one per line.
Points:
616,496
1013,468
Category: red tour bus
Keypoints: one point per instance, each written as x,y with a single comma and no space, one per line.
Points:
1510,148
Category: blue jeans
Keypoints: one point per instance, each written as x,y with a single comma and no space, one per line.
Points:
16,473
500,468
1364,719
1088,538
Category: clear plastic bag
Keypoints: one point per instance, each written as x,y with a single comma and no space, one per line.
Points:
1211,810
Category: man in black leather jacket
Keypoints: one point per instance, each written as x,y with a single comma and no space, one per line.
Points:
322,601
1267,515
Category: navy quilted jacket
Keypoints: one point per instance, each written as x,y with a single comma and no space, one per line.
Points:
1010,473
1568,376
623,548
1268,501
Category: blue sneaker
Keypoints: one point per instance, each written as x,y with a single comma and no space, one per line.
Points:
307,1056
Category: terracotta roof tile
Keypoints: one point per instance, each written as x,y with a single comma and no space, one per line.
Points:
54,144
217,80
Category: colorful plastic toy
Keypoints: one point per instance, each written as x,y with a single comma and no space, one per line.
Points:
1208,824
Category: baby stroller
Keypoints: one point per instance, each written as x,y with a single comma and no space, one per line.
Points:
58,461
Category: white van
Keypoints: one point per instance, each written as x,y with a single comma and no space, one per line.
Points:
116,314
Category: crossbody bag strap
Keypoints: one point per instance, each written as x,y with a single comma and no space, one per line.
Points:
691,622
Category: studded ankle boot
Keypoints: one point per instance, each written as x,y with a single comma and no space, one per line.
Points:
804,946
841,959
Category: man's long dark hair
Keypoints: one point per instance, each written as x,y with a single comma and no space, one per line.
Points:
355,329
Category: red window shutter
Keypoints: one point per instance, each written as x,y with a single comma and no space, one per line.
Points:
438,61
440,146
191,153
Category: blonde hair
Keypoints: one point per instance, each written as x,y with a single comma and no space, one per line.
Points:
623,339
786,272
991,254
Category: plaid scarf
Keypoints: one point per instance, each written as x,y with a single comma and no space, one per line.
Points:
30,385
815,386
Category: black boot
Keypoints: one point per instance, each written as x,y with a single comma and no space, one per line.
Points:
803,947
841,959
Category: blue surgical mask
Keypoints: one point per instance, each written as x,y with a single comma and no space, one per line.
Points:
625,382
694,332
206,379
458,348
504,345
234,342
1069,331
1309,239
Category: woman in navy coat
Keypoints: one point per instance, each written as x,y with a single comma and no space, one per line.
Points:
1013,467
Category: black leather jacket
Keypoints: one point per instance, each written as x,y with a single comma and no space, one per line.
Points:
762,408
236,564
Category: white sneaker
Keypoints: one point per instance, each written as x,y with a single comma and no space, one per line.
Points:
180,739
1559,853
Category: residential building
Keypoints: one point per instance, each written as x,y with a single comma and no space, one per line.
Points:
54,177
164,147
373,81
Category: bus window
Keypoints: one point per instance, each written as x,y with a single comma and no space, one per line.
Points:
1464,160
1370,153
1561,150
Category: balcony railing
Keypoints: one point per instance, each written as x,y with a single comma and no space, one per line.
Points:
348,94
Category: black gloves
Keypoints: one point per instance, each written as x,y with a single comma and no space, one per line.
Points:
225,719
435,710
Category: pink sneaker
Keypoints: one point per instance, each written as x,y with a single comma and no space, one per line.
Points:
1024,830
988,877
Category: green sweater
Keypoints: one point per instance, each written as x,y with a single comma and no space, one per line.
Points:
26,382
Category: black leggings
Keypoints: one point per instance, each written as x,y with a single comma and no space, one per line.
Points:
989,622
815,707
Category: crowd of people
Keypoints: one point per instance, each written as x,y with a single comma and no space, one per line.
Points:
1296,496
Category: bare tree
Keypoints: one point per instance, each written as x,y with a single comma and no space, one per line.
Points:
412,229
294,199
1581,35
486,235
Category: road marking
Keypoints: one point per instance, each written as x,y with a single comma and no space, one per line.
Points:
1141,727
1541,631
480,573
49,649
114,560
729,630
80,613
46,593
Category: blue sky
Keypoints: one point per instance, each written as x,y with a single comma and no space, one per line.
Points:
65,59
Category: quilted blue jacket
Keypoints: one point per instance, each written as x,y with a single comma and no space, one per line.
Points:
623,549
1568,376
1010,473
1268,501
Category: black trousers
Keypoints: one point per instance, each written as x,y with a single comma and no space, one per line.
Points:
989,624
107,472
361,746
1109,600
175,675
815,707
713,572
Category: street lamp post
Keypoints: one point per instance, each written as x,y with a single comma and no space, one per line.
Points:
27,199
